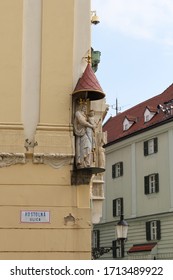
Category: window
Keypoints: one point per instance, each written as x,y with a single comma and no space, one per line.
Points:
117,170
117,249
95,239
128,122
147,118
151,183
117,207
149,114
153,230
150,146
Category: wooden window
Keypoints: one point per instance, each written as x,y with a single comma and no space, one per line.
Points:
117,207
153,230
95,239
151,146
151,183
117,249
117,170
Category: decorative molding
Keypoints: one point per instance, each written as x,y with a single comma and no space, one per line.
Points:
14,126
70,219
7,159
54,127
29,144
54,160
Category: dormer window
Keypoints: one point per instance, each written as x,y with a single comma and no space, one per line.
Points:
126,126
128,122
149,114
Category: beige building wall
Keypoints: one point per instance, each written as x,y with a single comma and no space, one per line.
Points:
11,60
36,132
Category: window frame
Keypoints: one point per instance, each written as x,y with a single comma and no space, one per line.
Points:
153,230
151,183
148,150
117,207
117,249
117,170
127,124
148,115
96,238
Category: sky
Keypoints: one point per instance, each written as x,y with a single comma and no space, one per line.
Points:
135,38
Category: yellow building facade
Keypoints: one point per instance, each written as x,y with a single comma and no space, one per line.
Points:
43,215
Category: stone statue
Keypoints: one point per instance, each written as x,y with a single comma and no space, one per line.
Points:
83,131
91,135
102,140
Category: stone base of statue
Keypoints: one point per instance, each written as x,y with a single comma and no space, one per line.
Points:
83,176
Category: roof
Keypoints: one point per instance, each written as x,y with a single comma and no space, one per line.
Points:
89,84
131,118
151,109
114,125
147,247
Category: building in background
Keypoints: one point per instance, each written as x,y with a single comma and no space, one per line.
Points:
45,74
139,181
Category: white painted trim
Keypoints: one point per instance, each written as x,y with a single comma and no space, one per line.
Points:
31,72
134,190
170,143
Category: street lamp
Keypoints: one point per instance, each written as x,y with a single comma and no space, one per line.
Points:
121,229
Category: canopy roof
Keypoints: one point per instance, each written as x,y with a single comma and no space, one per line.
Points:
88,86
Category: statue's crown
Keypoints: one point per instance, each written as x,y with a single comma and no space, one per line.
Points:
82,101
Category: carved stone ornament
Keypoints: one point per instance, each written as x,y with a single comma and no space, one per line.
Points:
53,160
7,159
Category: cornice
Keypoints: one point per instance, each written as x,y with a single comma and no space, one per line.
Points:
11,126
54,127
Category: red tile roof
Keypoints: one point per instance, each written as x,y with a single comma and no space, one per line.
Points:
152,109
142,247
114,125
131,118
89,84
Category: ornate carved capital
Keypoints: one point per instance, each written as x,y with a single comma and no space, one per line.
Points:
53,160
7,159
